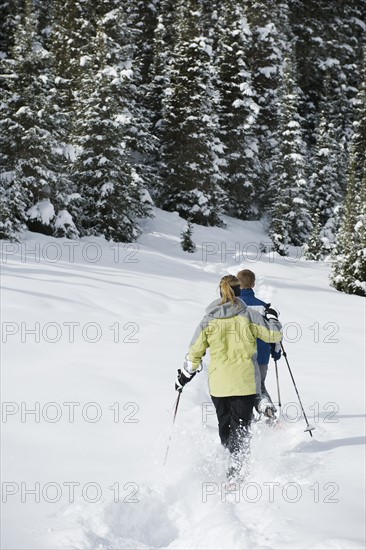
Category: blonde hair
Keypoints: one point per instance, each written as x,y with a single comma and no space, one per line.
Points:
226,288
246,278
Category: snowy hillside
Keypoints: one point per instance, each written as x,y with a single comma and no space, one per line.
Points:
92,336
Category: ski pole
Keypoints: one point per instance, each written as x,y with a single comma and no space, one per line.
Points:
308,427
171,431
278,387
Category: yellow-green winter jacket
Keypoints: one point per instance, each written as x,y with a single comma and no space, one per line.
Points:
231,332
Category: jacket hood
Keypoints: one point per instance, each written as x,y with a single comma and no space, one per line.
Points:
225,311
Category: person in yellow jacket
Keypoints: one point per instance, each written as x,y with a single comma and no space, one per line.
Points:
230,330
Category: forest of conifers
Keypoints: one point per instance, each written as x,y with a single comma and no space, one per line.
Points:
251,108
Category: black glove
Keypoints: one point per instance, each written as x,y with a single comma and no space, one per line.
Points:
183,378
276,355
271,313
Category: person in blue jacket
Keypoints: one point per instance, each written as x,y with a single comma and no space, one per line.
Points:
263,403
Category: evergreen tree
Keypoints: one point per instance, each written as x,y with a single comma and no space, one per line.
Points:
143,16
335,112
191,148
69,42
10,16
314,246
186,241
211,10
137,45
111,191
160,73
269,46
165,36
324,184
29,148
12,203
328,38
72,31
328,44
43,12
238,113
349,270
290,218
12,207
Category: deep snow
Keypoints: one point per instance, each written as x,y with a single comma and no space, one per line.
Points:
110,327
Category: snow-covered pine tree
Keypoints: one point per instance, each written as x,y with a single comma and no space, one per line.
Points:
187,243
325,181
328,37
43,11
333,49
191,148
142,16
349,269
328,45
290,216
325,187
112,192
12,203
238,113
160,73
307,24
211,10
336,111
269,46
10,11
141,20
165,35
314,247
68,38
30,161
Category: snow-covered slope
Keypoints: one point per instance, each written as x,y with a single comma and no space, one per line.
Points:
92,336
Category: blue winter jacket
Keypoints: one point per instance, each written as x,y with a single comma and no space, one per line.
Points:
263,349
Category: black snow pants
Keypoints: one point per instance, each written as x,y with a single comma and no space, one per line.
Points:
234,415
